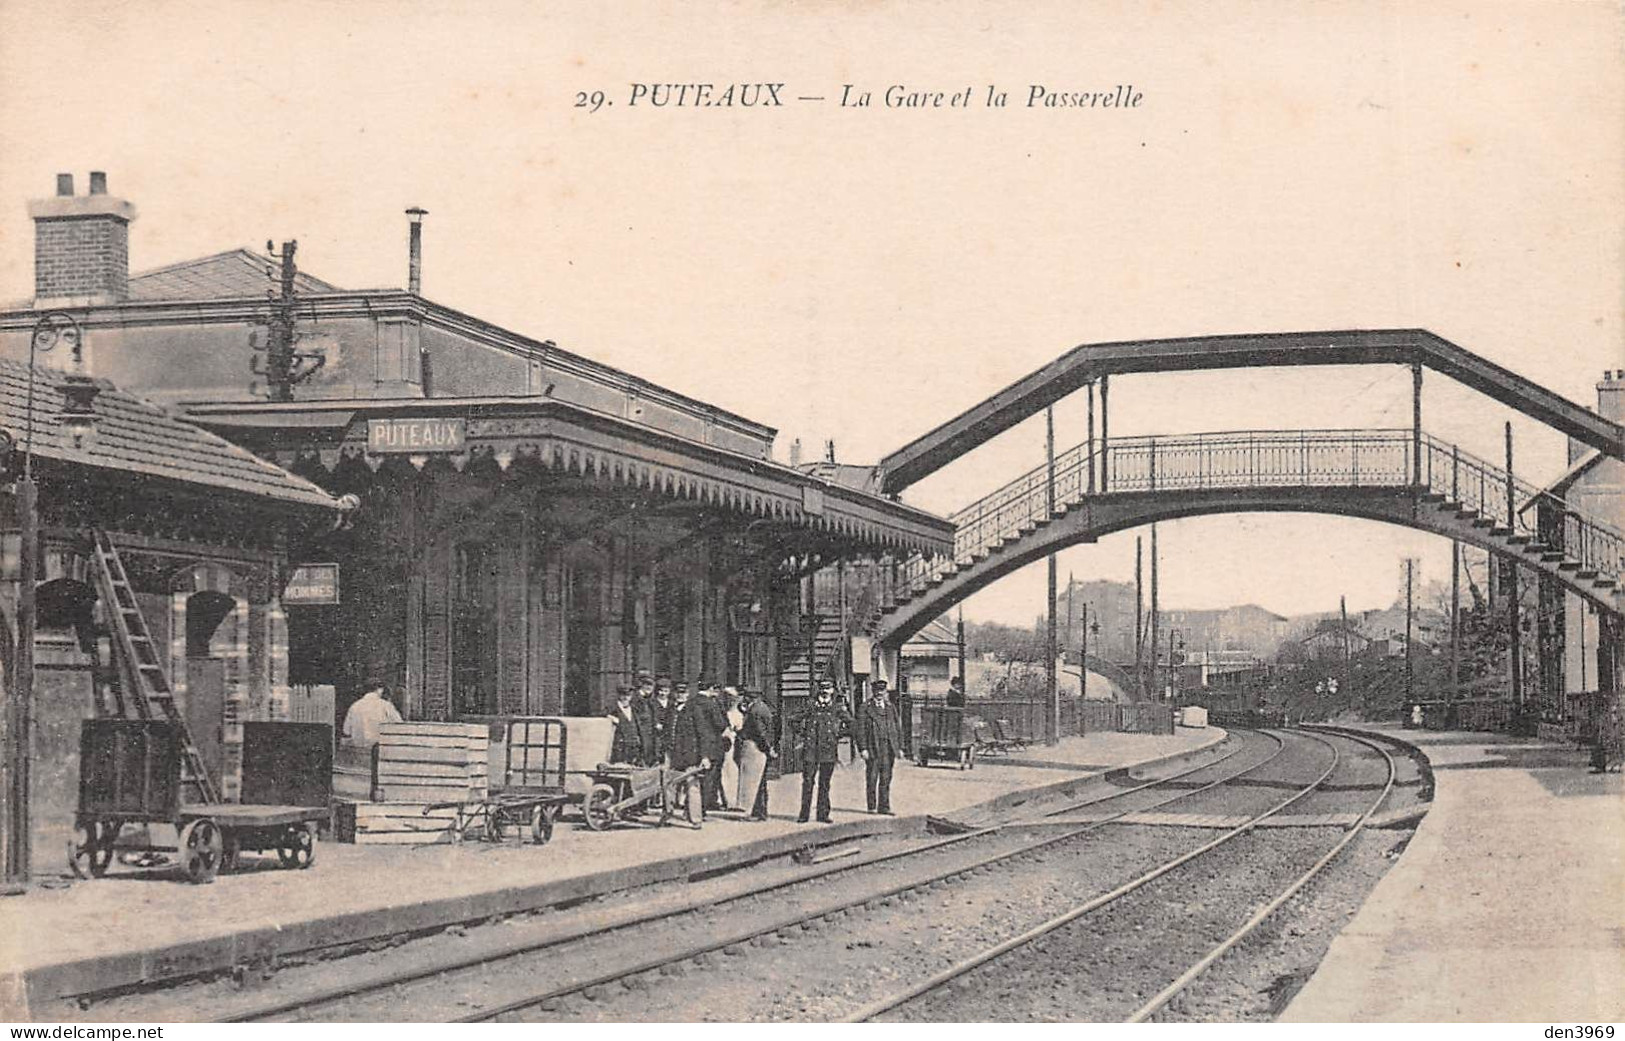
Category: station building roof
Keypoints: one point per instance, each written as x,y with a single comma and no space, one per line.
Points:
138,437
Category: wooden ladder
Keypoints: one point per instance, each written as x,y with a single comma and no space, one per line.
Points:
147,683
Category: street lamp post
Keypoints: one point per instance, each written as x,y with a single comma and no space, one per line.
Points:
79,392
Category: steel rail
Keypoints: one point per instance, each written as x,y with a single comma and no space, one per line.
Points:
385,979
1168,993
966,965
829,912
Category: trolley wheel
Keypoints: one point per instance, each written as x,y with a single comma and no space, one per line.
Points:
298,846
541,823
596,807
92,848
200,850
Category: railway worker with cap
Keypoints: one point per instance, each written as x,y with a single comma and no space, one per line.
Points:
880,739
818,733
956,692
369,712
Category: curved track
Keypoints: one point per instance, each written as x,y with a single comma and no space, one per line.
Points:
955,992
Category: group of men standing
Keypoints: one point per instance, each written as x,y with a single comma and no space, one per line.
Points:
664,724
660,723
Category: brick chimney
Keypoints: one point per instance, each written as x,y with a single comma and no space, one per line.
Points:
1611,395
81,245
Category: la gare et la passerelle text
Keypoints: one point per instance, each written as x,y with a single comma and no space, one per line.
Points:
853,96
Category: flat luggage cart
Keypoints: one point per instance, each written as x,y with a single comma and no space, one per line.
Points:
130,773
944,739
621,791
533,791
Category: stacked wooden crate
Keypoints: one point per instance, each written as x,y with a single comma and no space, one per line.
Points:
420,765
433,762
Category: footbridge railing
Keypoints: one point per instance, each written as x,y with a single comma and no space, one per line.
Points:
1252,459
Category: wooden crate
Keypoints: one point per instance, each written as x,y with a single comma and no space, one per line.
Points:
433,762
392,824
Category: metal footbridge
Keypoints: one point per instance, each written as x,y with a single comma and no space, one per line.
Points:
1398,476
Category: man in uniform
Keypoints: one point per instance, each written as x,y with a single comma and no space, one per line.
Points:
819,733
956,693
879,740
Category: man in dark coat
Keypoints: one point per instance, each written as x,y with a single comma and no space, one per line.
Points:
819,731
758,732
687,739
714,722
629,744
956,693
880,739
644,703
660,710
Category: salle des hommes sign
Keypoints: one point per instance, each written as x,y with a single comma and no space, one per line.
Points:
417,436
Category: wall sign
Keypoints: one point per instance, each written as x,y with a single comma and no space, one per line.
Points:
312,584
417,436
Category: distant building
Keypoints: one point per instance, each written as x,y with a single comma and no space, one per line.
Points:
931,658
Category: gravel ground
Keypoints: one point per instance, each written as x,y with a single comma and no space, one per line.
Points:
829,971
1257,979
1104,965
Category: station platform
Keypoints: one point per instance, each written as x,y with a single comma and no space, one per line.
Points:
1508,905
134,926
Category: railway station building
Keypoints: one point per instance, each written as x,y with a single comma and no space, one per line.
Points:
203,532
534,527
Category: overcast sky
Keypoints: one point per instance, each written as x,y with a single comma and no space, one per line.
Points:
864,274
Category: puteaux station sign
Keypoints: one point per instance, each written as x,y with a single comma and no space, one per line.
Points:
417,436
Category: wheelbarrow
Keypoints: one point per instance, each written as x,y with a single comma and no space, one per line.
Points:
621,792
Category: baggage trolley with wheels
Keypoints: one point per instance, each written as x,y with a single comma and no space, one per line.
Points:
130,773
532,793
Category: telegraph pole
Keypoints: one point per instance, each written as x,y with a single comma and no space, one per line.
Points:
1410,675
1513,627
962,680
1156,684
1348,659
1083,660
1091,386
1139,624
1049,606
1455,621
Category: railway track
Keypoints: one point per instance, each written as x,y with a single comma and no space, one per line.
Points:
963,973
951,856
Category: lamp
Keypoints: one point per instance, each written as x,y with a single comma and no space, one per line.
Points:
79,408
